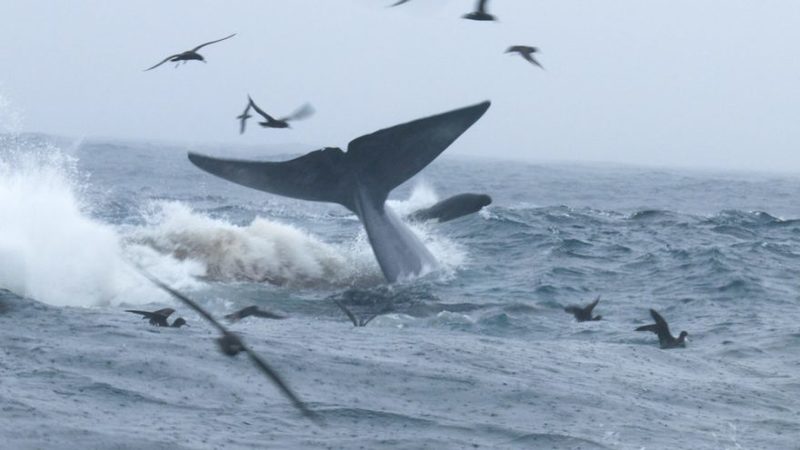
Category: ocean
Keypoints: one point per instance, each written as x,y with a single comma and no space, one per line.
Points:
477,354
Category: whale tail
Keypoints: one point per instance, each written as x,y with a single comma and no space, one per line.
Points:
361,179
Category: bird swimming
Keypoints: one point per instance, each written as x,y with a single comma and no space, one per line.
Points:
189,55
665,338
360,321
252,311
526,52
480,12
271,122
584,314
159,318
231,345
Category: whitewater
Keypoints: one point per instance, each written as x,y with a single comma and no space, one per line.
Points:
476,354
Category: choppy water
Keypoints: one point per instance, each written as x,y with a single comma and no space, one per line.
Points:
477,354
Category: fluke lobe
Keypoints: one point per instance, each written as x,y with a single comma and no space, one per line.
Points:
361,180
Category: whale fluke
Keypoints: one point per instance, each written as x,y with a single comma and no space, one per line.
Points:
361,179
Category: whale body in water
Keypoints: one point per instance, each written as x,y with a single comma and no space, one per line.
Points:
361,180
452,208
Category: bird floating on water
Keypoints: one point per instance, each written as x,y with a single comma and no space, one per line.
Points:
189,55
159,318
584,313
526,52
665,338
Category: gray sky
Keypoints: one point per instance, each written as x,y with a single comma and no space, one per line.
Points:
691,83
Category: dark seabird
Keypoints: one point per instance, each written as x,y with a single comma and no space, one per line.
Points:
665,338
526,52
189,55
231,344
400,2
271,122
243,118
360,321
584,314
480,12
252,311
159,318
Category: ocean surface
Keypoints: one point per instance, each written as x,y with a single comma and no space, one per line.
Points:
478,354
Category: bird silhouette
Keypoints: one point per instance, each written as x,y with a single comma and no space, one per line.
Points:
231,345
271,122
526,52
665,338
188,55
480,12
252,311
159,318
584,313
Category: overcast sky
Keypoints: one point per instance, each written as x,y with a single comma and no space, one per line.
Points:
691,83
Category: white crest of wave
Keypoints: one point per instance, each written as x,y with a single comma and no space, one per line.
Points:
50,250
422,196
262,251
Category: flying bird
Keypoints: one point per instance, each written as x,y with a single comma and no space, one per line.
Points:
665,338
400,2
243,118
480,12
231,345
271,122
159,318
526,52
189,55
584,313
252,311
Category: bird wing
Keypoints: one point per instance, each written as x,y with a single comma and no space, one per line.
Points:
591,306
660,323
278,381
260,111
652,327
212,42
400,2
482,5
347,311
166,312
145,314
162,62
267,314
529,57
301,113
243,118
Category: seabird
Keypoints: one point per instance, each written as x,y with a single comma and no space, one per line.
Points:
665,338
526,52
231,344
189,55
252,311
360,321
159,318
243,118
271,122
480,12
584,313
400,2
